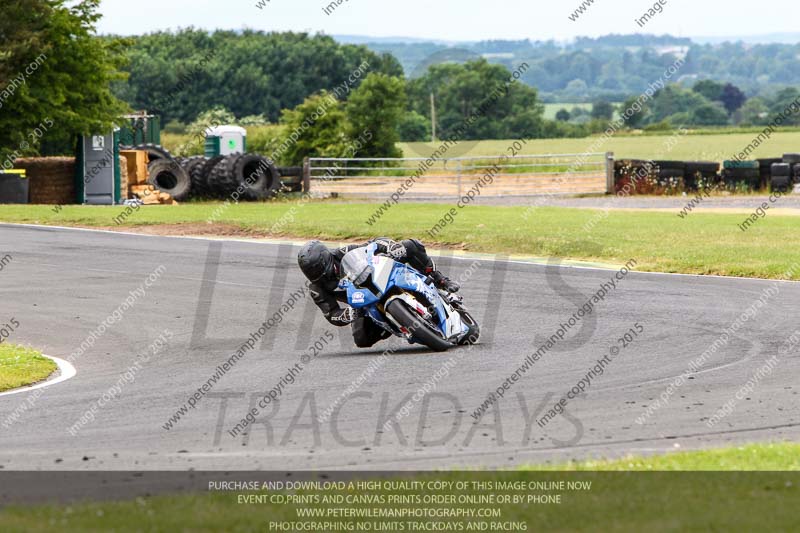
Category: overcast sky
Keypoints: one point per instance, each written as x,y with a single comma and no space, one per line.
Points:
456,20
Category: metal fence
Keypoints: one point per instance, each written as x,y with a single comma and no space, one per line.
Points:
500,176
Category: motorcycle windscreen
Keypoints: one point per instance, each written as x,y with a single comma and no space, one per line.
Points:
355,265
382,268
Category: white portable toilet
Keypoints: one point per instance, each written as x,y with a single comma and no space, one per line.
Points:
225,140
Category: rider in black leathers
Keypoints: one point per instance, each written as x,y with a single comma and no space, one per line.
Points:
322,266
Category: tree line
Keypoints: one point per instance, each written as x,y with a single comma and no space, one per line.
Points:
85,82
615,66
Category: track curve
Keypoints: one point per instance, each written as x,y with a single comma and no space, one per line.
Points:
212,295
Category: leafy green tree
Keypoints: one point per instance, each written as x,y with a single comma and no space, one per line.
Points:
602,110
414,127
576,89
754,112
633,112
315,128
374,111
181,74
55,69
782,102
709,89
674,99
476,100
712,114
563,115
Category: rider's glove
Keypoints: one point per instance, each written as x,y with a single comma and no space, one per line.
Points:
345,316
396,251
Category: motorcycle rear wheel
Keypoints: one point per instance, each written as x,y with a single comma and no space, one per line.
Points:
420,331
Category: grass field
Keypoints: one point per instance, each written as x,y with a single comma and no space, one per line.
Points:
653,500
20,366
712,147
698,145
660,242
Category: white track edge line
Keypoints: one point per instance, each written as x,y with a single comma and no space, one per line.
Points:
67,372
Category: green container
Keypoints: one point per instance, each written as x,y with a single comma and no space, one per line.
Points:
211,147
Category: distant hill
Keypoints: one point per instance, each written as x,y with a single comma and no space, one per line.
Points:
615,66
767,38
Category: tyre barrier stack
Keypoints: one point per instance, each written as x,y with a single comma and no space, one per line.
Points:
238,176
775,173
747,172
701,174
793,160
781,176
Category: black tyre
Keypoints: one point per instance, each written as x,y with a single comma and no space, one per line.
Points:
256,175
193,167
219,181
781,170
205,172
751,177
169,177
666,173
768,162
791,158
419,329
662,165
155,151
701,167
224,181
781,183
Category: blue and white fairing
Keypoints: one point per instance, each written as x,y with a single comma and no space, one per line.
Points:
377,275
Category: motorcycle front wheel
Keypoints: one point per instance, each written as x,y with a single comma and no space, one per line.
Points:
474,330
420,331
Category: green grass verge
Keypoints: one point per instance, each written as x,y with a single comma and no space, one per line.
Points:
776,457
658,241
20,366
616,501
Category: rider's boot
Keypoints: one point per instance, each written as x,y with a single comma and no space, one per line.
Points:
443,282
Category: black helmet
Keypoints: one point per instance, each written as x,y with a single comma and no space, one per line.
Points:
316,261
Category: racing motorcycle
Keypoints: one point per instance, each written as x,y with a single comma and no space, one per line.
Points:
404,302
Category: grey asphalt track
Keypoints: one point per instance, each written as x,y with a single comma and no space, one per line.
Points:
61,284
